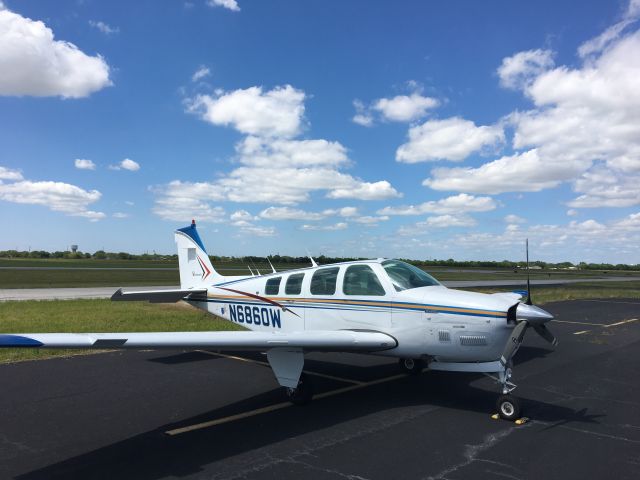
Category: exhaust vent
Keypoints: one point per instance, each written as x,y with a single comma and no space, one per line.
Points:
473,340
444,336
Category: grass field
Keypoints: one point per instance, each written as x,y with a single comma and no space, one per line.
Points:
97,316
107,316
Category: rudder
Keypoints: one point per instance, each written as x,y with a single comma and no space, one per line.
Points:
195,266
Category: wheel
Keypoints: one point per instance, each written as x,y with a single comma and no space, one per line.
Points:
412,366
303,393
508,407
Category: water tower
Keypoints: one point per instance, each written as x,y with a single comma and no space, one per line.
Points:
74,248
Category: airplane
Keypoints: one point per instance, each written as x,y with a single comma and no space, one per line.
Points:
382,307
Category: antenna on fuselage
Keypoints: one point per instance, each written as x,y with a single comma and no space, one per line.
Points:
528,301
252,274
313,262
273,270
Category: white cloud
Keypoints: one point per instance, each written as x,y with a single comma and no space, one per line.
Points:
513,219
287,213
228,4
57,196
348,212
120,215
572,212
517,173
455,204
126,164
9,174
520,69
84,164
362,116
275,113
602,187
266,152
200,73
450,139
33,63
365,190
404,108
104,28
180,201
438,221
258,231
370,220
599,43
241,216
334,227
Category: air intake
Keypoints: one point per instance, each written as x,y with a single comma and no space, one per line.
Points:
444,336
473,340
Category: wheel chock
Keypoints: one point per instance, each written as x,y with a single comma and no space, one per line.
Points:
495,416
522,421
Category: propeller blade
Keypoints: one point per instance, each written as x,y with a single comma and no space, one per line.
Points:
514,342
545,333
528,301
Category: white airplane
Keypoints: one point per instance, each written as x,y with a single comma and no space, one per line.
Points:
381,307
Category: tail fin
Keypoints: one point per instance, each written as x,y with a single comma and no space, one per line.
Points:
195,267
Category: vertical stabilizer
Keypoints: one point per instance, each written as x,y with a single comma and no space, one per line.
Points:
195,267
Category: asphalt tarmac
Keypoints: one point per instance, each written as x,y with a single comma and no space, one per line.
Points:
155,415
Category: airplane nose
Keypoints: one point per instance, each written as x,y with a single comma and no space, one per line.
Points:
532,314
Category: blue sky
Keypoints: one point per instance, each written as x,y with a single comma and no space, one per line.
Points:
414,129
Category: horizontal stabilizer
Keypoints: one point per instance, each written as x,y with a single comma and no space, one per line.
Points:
339,340
159,296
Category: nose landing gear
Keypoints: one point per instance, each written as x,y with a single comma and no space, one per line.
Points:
412,366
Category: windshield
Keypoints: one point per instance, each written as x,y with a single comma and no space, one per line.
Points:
405,276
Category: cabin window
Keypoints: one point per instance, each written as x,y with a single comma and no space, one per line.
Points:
405,276
273,286
361,280
324,280
294,284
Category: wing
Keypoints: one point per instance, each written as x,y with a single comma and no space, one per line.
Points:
159,296
339,340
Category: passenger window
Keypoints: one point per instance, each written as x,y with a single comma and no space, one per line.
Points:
361,280
273,286
323,281
294,284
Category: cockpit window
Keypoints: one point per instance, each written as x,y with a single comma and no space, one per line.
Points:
361,280
405,276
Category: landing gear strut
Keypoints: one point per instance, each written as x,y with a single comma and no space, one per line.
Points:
412,366
303,393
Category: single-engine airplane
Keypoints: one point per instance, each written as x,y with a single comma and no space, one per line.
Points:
381,307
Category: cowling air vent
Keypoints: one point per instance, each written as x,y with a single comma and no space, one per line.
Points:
444,336
473,340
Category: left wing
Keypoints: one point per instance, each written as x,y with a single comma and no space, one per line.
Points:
338,340
159,296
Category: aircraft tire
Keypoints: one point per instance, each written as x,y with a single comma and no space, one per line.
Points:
508,407
412,366
303,394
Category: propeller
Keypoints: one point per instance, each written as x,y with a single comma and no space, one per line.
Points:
526,315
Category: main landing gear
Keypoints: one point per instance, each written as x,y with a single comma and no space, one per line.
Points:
412,366
303,393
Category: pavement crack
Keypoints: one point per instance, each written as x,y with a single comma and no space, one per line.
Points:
472,452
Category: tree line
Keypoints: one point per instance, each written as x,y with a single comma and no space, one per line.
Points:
322,260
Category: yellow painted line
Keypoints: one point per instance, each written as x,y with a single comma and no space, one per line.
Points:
266,364
621,323
581,323
581,332
277,406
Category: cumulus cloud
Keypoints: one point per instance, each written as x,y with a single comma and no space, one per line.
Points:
450,139
456,204
520,69
33,63
179,201
120,215
228,4
126,164
9,174
513,219
57,196
524,172
104,27
84,164
335,226
265,152
599,43
274,113
200,73
404,108
362,116
364,190
437,222
287,213
584,129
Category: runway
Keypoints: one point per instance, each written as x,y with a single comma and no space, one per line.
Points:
197,415
7,294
